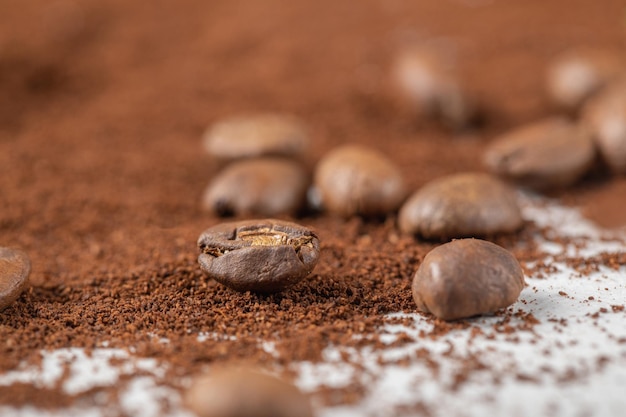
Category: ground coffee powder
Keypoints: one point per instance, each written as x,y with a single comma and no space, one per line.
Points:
102,167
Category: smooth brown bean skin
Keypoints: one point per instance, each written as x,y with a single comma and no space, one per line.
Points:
263,187
357,180
256,135
430,84
577,74
551,153
14,271
246,256
461,205
465,278
605,115
239,392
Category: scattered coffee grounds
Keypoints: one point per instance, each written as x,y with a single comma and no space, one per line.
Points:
543,155
356,180
467,277
258,187
256,135
461,205
102,168
241,392
258,255
14,271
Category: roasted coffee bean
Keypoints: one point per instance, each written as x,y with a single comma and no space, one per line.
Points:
575,75
14,271
465,278
461,205
239,392
431,85
605,115
256,135
546,154
356,180
265,187
264,256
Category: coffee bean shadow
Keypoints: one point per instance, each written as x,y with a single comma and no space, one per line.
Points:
598,175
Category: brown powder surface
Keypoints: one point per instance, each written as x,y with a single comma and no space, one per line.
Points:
101,166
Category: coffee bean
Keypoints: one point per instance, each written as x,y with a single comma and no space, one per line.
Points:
606,117
14,271
575,75
431,85
546,154
356,180
465,278
265,186
264,256
461,205
256,135
239,392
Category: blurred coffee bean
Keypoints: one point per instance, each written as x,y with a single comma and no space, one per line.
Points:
605,115
430,84
241,392
14,271
575,75
465,278
265,186
356,180
461,205
264,256
547,154
256,135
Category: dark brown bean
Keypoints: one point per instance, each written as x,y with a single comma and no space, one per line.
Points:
14,271
239,392
256,135
461,205
265,187
547,154
465,278
575,75
264,256
431,85
356,180
605,115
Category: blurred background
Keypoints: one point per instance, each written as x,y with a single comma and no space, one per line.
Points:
103,104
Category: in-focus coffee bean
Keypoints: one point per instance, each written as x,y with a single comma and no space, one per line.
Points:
461,205
265,186
575,75
240,392
356,180
465,278
256,135
263,256
14,271
605,115
431,85
547,154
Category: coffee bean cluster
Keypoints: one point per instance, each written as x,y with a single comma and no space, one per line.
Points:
557,152
263,177
354,180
